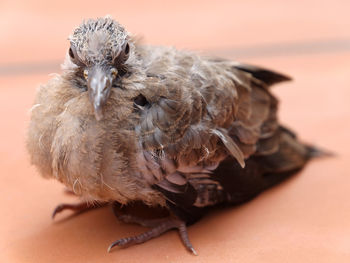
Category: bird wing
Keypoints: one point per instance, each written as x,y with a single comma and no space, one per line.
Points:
203,112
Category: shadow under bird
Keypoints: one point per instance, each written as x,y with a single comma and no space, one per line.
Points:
125,122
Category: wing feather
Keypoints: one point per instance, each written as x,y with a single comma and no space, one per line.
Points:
206,112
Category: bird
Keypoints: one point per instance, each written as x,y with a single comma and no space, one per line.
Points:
126,122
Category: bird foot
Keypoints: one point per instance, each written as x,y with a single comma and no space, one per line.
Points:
77,208
158,227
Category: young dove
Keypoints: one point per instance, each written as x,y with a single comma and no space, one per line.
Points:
126,122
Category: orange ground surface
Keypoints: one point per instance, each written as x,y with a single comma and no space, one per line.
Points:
305,219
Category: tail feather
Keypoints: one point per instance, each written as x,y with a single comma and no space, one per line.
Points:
316,152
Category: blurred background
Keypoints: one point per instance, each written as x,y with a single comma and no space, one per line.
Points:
302,220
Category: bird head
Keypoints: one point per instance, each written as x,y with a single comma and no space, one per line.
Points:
99,50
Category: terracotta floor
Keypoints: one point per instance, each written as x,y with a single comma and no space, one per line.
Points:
306,219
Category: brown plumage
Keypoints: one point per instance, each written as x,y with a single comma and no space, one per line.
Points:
126,122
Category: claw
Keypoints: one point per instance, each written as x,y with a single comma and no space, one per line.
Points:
193,251
111,246
119,242
57,210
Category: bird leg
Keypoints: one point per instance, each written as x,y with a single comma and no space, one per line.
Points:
158,227
77,208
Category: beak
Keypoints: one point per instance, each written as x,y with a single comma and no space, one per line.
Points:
99,88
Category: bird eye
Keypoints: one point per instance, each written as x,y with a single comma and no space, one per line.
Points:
127,49
74,57
71,54
114,72
119,61
86,73
140,100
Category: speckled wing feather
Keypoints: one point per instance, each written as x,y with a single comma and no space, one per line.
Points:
212,116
